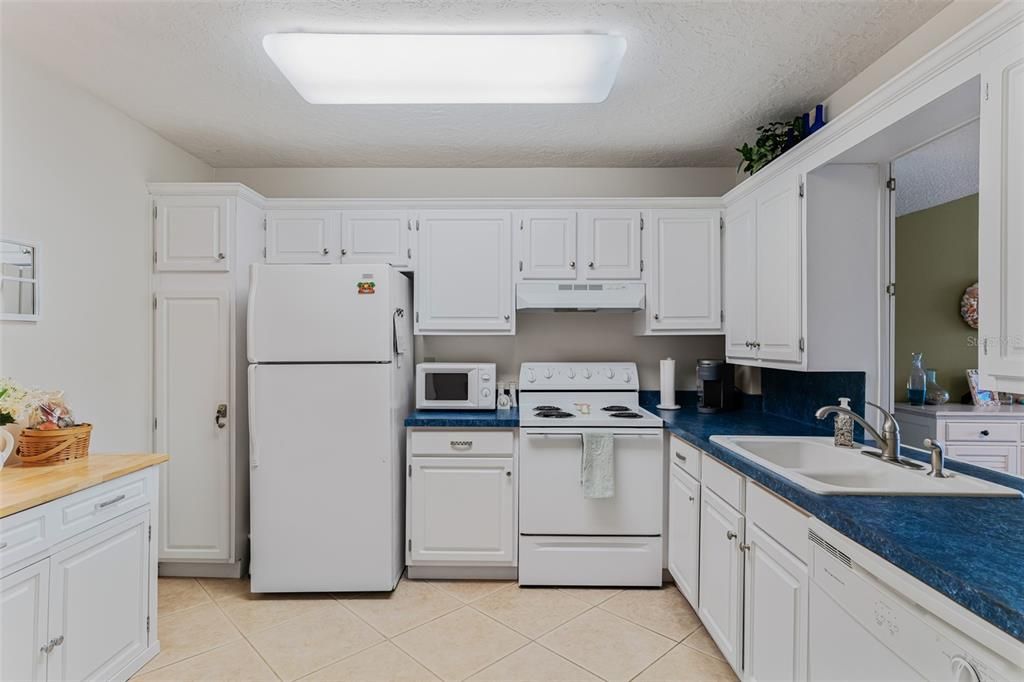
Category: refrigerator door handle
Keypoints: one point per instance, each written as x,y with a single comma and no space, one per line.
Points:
254,458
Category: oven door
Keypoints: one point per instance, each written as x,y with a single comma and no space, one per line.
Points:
447,388
551,498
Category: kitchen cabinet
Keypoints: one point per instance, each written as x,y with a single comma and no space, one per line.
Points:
80,602
684,532
778,278
682,250
721,574
377,236
96,635
24,602
303,236
190,233
987,437
1001,214
775,609
464,274
547,245
192,382
740,265
609,244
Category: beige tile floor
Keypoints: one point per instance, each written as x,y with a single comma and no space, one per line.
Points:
450,630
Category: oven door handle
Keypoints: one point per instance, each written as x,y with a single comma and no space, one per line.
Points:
537,434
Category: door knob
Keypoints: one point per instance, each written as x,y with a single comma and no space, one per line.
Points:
221,415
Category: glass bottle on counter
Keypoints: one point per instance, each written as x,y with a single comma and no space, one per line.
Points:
917,384
934,394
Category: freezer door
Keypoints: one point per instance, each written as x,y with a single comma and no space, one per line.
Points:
323,463
319,313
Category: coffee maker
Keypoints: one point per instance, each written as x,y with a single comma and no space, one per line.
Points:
716,386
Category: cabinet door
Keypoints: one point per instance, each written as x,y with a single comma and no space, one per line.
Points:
24,598
191,233
99,601
377,237
464,278
192,379
610,244
999,457
779,279
547,245
776,611
441,489
721,574
303,236
684,532
685,272
740,281
1001,214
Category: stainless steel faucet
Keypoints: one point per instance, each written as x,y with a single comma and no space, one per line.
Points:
888,441
938,459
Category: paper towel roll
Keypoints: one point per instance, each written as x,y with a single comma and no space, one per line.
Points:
668,385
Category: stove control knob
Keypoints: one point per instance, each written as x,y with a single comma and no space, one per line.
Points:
627,378
548,373
531,376
485,377
610,373
572,373
586,374
485,392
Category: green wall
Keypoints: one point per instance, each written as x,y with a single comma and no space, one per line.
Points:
936,259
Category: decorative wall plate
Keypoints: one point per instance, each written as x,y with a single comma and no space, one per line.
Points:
969,306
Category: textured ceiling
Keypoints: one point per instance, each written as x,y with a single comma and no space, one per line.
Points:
696,80
944,170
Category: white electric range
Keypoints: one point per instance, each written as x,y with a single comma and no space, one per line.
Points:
566,538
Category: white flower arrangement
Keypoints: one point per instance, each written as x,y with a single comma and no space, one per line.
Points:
32,407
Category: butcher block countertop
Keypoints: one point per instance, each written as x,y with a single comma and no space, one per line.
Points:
23,486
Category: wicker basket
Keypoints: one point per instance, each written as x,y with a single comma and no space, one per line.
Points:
57,445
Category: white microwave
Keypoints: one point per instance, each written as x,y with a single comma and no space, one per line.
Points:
455,386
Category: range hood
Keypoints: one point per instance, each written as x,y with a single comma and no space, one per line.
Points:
621,297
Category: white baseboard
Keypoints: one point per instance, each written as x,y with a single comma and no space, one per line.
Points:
184,569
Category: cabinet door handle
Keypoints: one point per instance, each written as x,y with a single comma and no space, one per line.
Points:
325,252
58,641
508,474
112,500
590,265
692,498
220,415
657,316
984,432
47,648
730,534
681,457
572,264
744,546
461,444
220,256
507,317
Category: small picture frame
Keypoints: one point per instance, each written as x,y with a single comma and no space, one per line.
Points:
981,396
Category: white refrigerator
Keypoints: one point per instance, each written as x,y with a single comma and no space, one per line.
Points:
330,383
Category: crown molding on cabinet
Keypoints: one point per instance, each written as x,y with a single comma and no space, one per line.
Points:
220,189
936,73
497,203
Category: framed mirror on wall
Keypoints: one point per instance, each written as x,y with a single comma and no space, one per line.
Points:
19,280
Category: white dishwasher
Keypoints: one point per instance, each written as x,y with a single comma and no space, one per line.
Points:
863,629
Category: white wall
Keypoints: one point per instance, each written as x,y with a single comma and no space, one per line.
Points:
73,179
483,182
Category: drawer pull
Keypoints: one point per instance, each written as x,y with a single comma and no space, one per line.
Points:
461,444
509,474
984,432
112,500
730,534
680,457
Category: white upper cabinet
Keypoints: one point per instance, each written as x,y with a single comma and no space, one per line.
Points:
303,236
740,281
610,244
464,275
547,245
1001,214
377,237
778,279
683,253
191,233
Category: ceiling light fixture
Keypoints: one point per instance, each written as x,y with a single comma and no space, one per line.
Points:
328,68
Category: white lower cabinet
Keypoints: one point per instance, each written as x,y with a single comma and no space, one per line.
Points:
775,610
450,473
721,575
684,532
81,606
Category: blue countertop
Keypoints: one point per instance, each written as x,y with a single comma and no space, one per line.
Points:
465,419
968,549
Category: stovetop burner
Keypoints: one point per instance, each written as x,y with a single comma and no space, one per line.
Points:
555,414
627,415
615,408
547,408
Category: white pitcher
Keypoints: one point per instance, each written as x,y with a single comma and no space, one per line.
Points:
8,445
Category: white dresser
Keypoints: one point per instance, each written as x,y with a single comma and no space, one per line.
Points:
991,437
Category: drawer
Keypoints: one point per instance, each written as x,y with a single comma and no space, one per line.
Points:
606,561
994,432
786,524
998,457
685,455
26,533
723,481
99,503
470,443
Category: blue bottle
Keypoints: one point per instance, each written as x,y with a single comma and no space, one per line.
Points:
917,384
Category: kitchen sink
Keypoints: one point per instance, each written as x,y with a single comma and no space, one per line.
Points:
821,467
